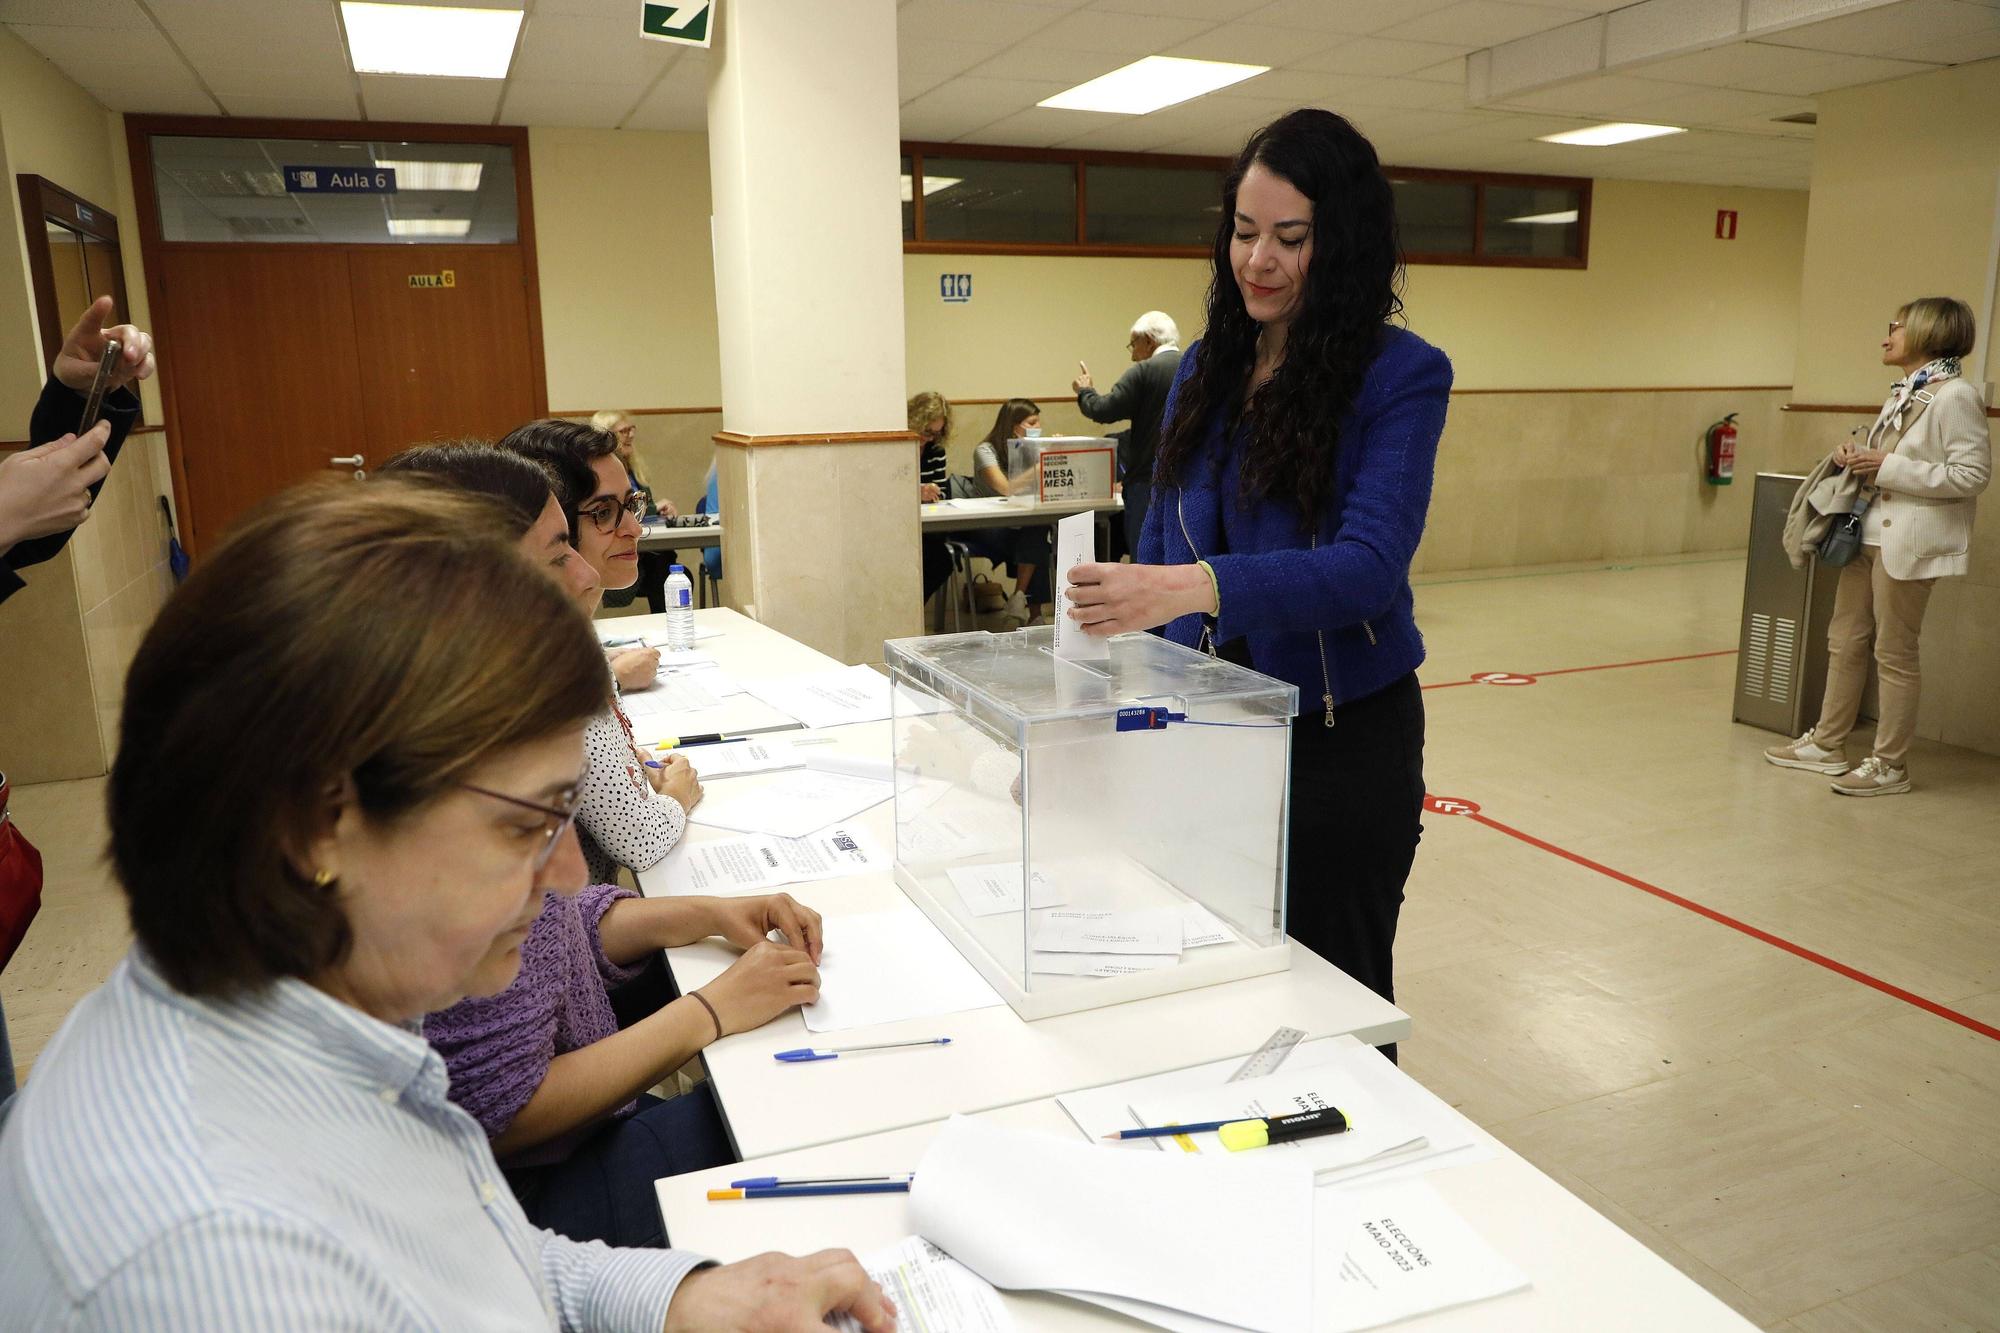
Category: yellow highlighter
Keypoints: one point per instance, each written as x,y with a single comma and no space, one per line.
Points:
1239,1135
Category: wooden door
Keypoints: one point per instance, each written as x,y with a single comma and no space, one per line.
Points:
267,387
444,349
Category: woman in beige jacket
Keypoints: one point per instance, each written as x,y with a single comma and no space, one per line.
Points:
1926,457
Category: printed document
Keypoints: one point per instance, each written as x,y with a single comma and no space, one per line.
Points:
991,889
835,698
884,967
1076,544
789,805
730,759
932,1291
1155,930
1099,964
759,863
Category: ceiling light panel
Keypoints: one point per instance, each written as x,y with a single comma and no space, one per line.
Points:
435,175
932,184
1152,83
429,226
430,39
1617,131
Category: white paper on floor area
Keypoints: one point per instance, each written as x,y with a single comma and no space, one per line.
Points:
790,804
835,698
883,967
991,889
1076,544
759,863
1030,1212
1446,1138
736,758
932,1292
1153,930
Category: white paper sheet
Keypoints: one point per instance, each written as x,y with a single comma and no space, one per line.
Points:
711,678
989,890
1029,1212
1374,1132
1201,928
953,830
1099,964
732,759
759,863
670,694
931,1291
790,804
836,698
884,967
1076,544
1156,930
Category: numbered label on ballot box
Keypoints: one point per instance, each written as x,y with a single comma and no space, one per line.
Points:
1075,475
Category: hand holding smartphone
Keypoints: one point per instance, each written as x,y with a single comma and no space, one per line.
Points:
93,403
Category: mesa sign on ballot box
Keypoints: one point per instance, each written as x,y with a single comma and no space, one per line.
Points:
1076,469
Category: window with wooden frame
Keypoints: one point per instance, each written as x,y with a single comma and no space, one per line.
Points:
978,199
73,258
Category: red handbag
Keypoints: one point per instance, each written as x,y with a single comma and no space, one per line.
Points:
20,880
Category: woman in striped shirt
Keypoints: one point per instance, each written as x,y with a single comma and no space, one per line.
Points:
335,808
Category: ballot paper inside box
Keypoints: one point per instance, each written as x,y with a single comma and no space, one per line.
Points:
1092,832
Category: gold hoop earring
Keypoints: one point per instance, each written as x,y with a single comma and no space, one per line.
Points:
322,879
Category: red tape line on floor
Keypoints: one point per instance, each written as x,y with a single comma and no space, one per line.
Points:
1606,666
1820,959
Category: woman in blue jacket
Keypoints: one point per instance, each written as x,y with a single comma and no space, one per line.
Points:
1290,490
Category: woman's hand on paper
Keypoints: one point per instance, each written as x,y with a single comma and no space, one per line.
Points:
676,777
747,922
766,981
1859,459
635,668
1114,598
776,1293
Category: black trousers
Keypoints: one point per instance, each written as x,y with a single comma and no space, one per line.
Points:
1357,804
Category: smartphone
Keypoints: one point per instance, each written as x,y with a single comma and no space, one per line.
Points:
93,405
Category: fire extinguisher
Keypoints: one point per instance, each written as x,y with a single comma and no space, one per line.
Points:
1719,451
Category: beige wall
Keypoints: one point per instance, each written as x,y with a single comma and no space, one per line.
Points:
75,628
1903,199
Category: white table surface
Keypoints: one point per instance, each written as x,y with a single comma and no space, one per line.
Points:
1010,513
1588,1276
746,650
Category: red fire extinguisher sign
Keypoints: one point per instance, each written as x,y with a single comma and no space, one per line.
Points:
1719,452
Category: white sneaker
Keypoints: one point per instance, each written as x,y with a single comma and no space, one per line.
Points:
1017,608
1802,753
1873,778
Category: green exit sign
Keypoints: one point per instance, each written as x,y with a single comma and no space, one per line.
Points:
687,23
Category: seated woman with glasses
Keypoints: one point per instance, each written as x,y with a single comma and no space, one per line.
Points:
622,821
241,1129
546,1065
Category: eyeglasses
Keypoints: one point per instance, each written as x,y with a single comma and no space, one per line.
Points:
1895,324
556,819
606,517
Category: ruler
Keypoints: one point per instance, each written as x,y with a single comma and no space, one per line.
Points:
1267,1058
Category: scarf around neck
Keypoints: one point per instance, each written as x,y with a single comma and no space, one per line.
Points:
1905,389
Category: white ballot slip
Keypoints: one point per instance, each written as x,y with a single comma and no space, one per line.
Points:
671,692
736,758
790,804
758,863
931,1291
835,698
1099,964
1155,930
1201,928
884,967
989,890
710,677
1076,544
1030,1212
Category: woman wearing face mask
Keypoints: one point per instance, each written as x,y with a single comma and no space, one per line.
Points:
634,805
241,1128
1003,465
545,1065
1290,490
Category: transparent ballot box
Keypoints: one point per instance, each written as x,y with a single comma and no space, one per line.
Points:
1092,832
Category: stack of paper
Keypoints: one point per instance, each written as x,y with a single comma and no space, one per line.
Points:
1166,1237
884,967
931,1290
835,698
1116,944
735,758
791,804
759,863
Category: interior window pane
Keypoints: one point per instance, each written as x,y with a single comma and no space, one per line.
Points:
909,204
1434,217
241,190
1540,222
971,199
1151,205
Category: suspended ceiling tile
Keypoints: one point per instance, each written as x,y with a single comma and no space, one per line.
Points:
1359,17
100,14
432,101
602,9
1388,58
1472,24
313,49
123,96
293,106
678,103
1519,127
1614,96
1128,35
1793,71
931,55
1411,93
1301,86
1959,49
1254,44
77,49
571,49
1890,30
995,21
180,17
1215,11
1703,106
964,105
1037,127
1039,62
594,105
278,82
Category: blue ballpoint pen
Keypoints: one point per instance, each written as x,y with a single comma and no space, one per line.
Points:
805,1054
810,1191
776,1182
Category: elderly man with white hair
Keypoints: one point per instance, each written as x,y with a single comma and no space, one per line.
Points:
1140,396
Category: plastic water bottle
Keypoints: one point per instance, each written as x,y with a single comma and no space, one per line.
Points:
680,610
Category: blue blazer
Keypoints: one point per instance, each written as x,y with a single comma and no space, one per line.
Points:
1351,591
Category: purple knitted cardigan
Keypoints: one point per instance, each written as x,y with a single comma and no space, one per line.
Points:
497,1048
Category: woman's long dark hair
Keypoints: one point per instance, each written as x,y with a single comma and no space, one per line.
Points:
1350,290
1011,414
